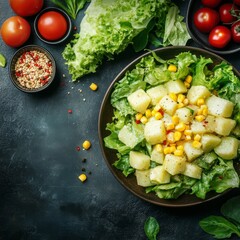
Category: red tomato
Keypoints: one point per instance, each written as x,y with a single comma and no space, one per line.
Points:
52,25
219,37
26,8
211,3
237,2
15,31
235,30
225,12
205,19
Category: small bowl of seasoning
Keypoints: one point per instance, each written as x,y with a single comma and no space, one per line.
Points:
32,69
52,25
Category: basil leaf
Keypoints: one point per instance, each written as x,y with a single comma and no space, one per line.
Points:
231,209
151,228
219,227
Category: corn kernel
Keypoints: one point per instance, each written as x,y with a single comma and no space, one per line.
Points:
172,68
170,138
167,150
144,120
187,127
178,152
200,118
158,116
180,147
82,177
186,101
180,127
197,137
200,101
157,107
138,116
159,148
188,79
188,138
186,84
177,136
205,112
173,96
188,132
170,126
180,98
86,144
180,105
148,113
196,144
154,112
172,144
199,111
172,149
175,119
93,86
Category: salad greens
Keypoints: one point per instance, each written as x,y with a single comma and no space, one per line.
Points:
71,7
109,26
222,227
217,174
151,228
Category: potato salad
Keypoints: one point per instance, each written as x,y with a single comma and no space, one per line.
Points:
176,125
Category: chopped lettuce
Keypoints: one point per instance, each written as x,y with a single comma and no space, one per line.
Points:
109,26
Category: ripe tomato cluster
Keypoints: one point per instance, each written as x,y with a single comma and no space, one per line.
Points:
219,19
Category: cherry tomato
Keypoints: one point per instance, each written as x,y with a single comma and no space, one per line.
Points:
219,37
235,30
15,31
211,3
26,8
237,2
225,13
205,19
52,25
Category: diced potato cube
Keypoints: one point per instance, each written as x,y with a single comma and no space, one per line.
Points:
139,100
157,93
193,171
174,164
209,142
219,107
196,92
176,86
224,126
143,178
168,105
192,152
210,123
127,137
167,119
159,175
228,148
139,161
155,132
185,114
198,127
157,156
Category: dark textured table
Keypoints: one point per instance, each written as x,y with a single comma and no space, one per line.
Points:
41,197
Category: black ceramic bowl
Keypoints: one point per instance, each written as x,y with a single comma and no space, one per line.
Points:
202,38
106,114
36,61
64,14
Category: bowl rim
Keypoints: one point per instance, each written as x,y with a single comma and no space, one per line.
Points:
14,58
130,66
65,15
193,36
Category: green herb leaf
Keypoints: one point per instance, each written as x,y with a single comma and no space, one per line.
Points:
151,228
231,209
219,227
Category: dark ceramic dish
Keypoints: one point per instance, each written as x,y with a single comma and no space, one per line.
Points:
65,15
106,114
13,63
202,38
